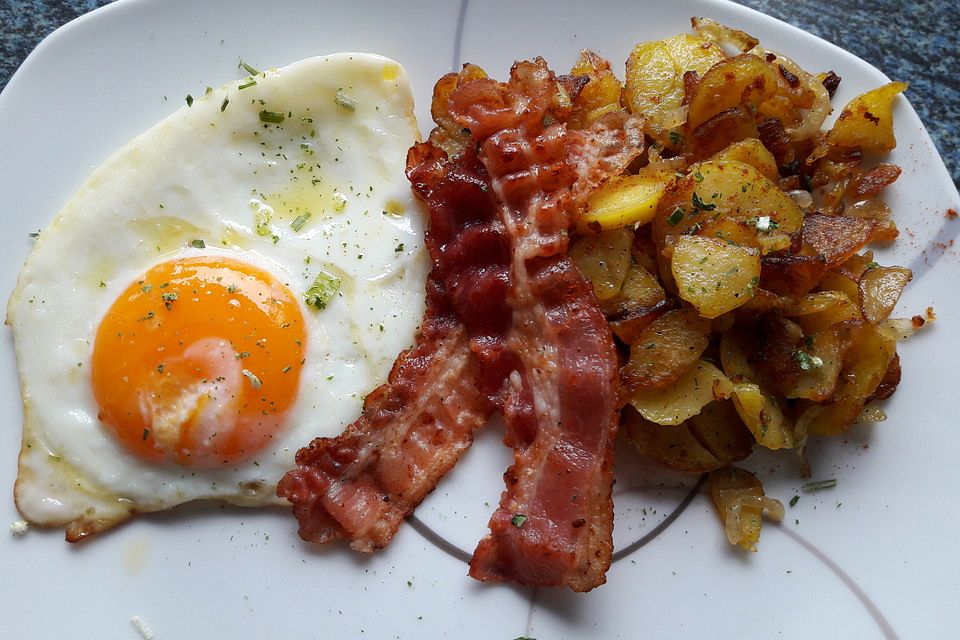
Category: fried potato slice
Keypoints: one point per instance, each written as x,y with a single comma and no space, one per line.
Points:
866,361
604,259
655,87
685,398
880,289
752,152
665,350
867,120
791,275
745,80
599,96
714,276
621,202
710,440
741,503
764,416
724,189
837,238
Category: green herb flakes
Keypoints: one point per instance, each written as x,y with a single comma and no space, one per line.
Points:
299,221
243,65
272,117
675,217
198,244
518,520
700,205
806,361
324,287
819,485
189,100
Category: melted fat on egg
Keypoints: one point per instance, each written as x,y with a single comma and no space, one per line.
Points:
223,289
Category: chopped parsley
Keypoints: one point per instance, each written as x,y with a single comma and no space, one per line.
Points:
675,137
189,99
399,248
168,299
299,221
518,520
243,65
198,244
322,290
794,500
700,205
273,117
819,485
806,361
675,217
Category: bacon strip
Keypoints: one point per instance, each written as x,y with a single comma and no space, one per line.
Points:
554,524
512,324
363,483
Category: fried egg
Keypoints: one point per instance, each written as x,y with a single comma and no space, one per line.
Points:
224,288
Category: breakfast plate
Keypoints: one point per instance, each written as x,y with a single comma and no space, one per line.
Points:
869,558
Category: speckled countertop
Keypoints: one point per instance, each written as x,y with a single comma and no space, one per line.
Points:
913,40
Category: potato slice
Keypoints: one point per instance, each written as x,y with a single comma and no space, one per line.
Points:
844,309
867,120
838,238
604,259
685,398
764,417
666,350
752,152
599,96
714,276
866,363
621,202
880,289
742,80
708,441
821,367
724,189
741,503
791,275
655,87
816,302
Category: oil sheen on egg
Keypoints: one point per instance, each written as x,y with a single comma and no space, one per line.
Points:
223,289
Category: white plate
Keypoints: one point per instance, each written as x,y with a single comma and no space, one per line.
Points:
872,558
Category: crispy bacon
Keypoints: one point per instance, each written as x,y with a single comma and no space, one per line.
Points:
554,523
363,483
511,324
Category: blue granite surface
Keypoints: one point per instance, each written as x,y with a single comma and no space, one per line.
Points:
916,40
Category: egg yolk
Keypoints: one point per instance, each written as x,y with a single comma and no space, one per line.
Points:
198,362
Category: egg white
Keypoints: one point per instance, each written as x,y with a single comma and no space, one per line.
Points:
203,174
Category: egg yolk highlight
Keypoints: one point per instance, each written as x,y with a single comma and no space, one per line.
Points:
198,362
